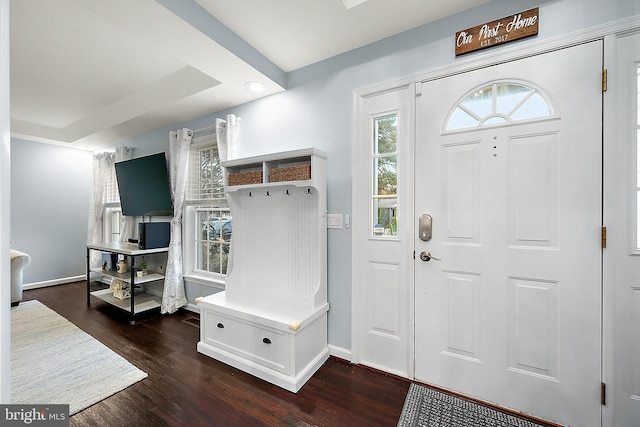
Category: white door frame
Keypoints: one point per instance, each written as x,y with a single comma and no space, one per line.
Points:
618,274
608,32
5,204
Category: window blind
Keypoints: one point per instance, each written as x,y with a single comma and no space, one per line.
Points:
112,195
205,182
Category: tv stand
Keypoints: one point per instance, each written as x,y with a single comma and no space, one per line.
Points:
139,302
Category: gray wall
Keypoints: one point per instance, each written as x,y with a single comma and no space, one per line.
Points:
49,208
317,111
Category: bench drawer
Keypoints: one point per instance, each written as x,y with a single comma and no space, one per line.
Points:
266,346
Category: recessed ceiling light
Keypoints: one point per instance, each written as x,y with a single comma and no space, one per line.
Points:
254,86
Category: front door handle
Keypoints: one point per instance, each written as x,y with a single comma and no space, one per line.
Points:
426,256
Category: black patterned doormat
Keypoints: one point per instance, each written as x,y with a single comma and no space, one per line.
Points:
426,407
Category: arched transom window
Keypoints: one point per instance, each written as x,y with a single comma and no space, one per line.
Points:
499,103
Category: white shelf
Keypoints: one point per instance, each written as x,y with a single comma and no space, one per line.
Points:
126,277
278,162
274,157
125,248
143,302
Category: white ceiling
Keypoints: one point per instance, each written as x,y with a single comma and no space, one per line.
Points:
92,73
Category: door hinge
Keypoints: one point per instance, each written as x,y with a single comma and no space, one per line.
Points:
414,254
604,80
603,394
603,236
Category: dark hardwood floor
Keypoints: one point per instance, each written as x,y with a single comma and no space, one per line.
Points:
186,388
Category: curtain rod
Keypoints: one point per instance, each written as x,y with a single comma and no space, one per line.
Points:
204,131
211,129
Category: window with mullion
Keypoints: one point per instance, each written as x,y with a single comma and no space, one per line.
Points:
212,229
384,171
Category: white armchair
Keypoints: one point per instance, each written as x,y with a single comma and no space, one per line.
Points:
19,260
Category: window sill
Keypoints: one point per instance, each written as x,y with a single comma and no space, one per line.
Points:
205,280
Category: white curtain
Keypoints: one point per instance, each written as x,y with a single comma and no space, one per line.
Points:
102,169
127,223
174,295
227,133
227,136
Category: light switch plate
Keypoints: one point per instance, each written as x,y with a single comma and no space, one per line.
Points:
334,220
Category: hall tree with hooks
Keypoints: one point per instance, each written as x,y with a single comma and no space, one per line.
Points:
271,319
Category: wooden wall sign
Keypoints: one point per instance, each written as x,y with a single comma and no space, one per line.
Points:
501,31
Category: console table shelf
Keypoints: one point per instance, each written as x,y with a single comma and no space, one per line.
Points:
126,277
139,301
144,302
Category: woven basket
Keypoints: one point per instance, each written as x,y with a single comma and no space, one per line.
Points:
244,178
291,173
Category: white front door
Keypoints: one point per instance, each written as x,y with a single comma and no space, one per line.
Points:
508,165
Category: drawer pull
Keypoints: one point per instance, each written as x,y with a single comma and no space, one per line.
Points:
266,340
220,325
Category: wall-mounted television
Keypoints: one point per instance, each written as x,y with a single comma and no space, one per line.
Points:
143,184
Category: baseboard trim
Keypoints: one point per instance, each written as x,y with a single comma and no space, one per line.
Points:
55,282
192,307
340,353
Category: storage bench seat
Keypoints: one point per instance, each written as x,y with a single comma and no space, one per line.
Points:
284,347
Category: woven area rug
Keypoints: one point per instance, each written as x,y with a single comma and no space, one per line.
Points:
55,362
425,407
